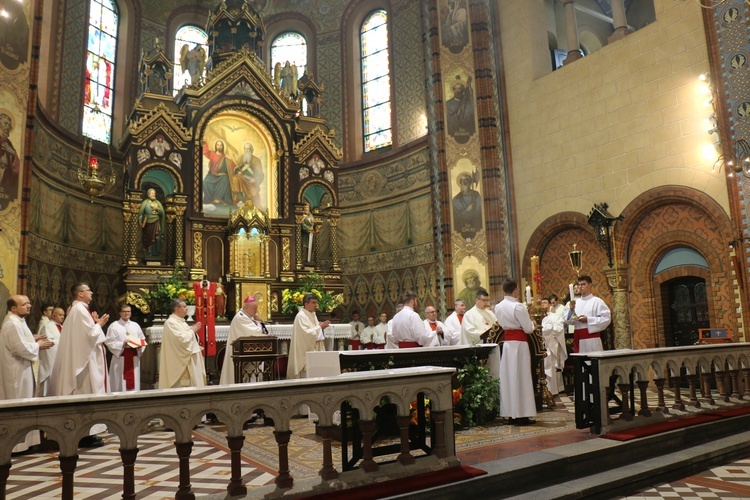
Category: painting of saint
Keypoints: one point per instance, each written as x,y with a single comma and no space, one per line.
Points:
467,207
14,36
454,26
460,110
236,159
10,163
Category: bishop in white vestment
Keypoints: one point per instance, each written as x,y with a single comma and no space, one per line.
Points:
244,324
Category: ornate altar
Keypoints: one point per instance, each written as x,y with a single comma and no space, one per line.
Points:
234,161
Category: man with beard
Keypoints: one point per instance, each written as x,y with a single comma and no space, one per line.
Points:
217,188
248,175
151,219
19,353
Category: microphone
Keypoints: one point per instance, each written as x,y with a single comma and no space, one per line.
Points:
263,328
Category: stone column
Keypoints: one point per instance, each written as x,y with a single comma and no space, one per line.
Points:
619,21
571,26
617,277
4,473
284,479
333,220
68,468
404,458
368,428
235,487
128,473
185,489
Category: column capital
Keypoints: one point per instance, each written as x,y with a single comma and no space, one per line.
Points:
618,277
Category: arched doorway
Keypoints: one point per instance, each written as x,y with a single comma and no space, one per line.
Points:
682,275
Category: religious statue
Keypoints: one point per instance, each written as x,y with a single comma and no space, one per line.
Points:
221,300
248,176
193,61
289,79
151,220
309,228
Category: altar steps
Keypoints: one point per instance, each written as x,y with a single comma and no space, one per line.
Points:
602,468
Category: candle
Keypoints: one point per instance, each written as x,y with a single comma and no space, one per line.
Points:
528,294
93,163
535,278
570,289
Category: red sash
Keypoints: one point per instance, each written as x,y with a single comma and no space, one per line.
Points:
460,318
407,344
59,328
518,335
355,344
433,326
128,373
379,346
582,334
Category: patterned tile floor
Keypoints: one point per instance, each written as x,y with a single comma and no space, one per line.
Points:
98,475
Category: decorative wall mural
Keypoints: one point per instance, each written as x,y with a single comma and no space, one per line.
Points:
454,25
467,205
459,108
10,160
237,160
471,277
159,145
14,36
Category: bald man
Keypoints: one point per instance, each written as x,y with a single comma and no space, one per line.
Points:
47,357
246,323
19,356
432,325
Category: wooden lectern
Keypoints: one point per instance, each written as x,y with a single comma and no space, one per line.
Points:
255,357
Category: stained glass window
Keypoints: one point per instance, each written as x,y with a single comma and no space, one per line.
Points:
192,36
376,81
290,46
100,70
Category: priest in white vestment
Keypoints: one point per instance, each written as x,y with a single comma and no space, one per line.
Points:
19,352
592,316
180,360
307,335
553,332
445,335
246,323
47,310
477,320
47,357
126,342
454,319
516,385
81,362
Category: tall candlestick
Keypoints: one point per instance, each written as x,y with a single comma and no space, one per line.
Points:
570,289
535,276
528,294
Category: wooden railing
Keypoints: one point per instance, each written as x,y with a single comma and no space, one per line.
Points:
67,419
601,375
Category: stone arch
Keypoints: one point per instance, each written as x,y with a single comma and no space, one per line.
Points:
156,173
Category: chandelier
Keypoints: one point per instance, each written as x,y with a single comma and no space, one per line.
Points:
95,176
735,161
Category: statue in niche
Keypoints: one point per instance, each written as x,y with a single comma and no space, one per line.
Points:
151,219
309,228
221,300
289,79
194,62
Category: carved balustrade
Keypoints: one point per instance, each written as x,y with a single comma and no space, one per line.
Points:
67,419
600,376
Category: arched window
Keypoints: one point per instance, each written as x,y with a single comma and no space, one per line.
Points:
290,46
376,81
192,36
99,89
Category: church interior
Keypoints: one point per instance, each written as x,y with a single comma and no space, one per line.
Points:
433,146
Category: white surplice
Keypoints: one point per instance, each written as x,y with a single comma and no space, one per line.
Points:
516,385
116,342
476,322
242,326
47,358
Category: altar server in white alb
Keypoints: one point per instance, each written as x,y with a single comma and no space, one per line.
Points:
126,342
408,330
356,324
517,388
307,335
19,352
592,316
180,360
553,331
445,335
47,310
246,323
477,320
47,357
